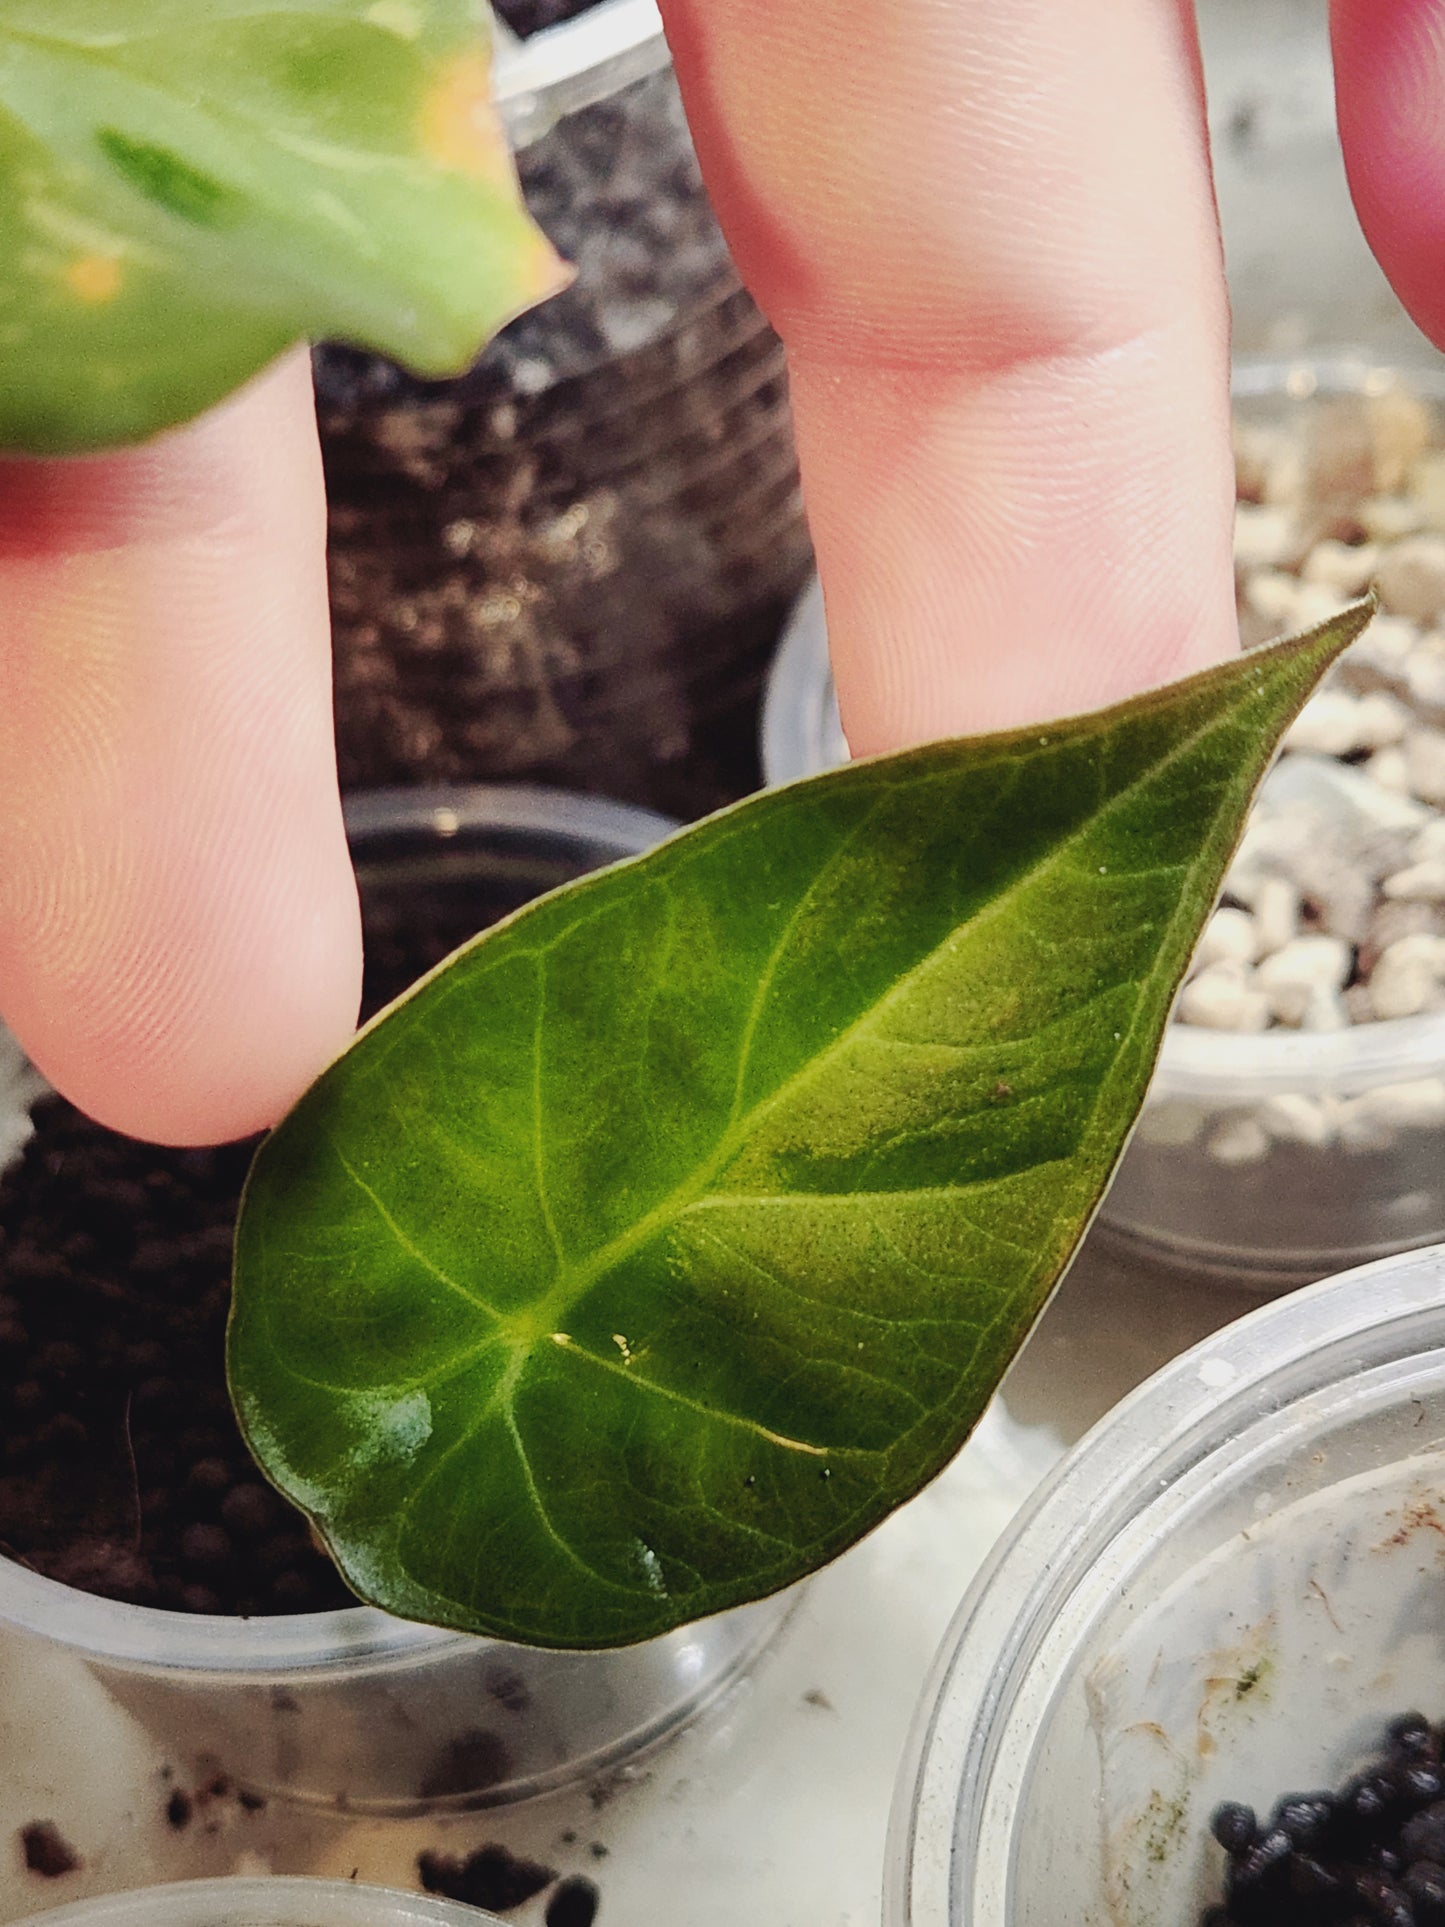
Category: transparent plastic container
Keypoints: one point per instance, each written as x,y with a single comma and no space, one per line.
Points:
1226,1591
354,1708
277,1902
1221,1177
571,563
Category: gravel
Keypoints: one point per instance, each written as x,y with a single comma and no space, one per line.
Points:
1333,912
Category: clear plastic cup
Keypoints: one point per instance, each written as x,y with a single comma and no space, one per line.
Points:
1226,1591
275,1902
574,65
572,562
354,1708
1260,1161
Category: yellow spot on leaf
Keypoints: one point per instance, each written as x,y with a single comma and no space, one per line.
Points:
459,126
95,278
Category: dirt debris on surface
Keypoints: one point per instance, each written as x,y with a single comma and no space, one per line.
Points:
574,1904
47,1852
493,1877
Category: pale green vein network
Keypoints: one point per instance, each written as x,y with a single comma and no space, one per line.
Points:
570,1287
408,1245
740,1274
539,1154
573,1283
768,976
710,1412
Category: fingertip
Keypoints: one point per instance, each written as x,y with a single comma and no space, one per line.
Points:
179,935
1390,90
193,1036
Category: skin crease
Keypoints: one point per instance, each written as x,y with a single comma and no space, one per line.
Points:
985,229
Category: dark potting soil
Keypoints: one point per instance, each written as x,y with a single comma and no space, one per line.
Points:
493,1877
122,1470
573,1905
46,1851
574,562
531,16
1372,1852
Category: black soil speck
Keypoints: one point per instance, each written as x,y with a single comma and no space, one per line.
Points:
526,17
511,1692
573,1905
178,1810
47,1851
490,1877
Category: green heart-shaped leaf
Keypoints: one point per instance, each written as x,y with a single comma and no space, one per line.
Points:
657,1246
188,186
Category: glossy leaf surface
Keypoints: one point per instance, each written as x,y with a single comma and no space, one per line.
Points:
188,186
651,1251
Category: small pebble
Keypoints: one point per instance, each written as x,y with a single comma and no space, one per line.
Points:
1425,764
1223,998
1328,725
1420,883
1390,770
1276,913
1347,568
1390,518
1408,977
1417,1105
1383,652
1292,1118
1401,918
1411,577
1425,673
1382,720
1242,1140
1265,537
1294,977
1229,937
1274,596
1326,1010
1362,1128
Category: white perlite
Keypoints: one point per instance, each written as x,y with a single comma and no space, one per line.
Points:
1333,910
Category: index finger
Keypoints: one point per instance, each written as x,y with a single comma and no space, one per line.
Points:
987,234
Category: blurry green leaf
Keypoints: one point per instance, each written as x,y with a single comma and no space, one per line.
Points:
652,1251
188,186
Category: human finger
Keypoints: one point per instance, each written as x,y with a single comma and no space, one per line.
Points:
987,234
1390,89
179,939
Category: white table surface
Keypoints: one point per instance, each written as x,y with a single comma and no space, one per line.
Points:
769,1812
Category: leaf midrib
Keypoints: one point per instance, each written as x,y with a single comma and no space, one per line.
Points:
573,1284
